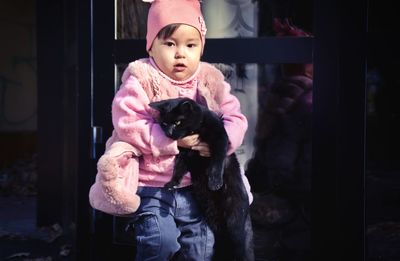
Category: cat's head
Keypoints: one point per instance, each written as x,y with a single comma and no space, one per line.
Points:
178,117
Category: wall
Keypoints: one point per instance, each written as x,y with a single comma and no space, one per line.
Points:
18,90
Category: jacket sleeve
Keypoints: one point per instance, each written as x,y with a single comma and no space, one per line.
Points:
134,122
234,121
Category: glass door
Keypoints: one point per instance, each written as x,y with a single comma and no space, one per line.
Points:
264,49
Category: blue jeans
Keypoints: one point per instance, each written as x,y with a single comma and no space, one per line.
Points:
169,225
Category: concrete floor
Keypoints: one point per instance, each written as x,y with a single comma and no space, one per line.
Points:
21,239
18,215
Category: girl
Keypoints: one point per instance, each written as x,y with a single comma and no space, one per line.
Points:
169,224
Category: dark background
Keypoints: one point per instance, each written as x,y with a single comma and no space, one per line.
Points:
39,214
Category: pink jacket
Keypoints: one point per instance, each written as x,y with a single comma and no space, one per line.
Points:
134,121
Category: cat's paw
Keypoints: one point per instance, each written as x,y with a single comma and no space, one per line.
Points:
171,185
215,177
215,182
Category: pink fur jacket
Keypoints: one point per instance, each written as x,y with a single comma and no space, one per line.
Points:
138,153
114,190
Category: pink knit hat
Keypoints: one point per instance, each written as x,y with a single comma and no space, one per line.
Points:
165,12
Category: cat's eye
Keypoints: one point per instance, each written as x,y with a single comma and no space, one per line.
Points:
177,123
164,123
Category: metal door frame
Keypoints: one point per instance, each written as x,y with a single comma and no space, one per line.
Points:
338,53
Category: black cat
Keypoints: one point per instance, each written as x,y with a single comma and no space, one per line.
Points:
217,181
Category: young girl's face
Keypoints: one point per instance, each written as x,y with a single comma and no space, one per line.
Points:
178,56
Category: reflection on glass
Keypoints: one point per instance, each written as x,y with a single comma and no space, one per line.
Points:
243,81
224,18
131,19
298,13
119,70
279,170
230,19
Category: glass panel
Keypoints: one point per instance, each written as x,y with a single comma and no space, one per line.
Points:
227,18
279,169
382,180
230,19
119,70
249,18
382,162
131,19
291,12
276,153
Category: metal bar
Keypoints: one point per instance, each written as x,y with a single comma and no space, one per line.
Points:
233,50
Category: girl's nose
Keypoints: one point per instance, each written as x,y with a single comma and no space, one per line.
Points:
179,53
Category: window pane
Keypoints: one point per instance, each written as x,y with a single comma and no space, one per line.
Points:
279,169
131,19
382,179
249,18
276,153
382,161
230,19
225,19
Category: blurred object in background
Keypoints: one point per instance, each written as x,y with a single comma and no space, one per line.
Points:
280,170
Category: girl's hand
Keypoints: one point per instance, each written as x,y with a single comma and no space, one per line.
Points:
193,142
189,141
203,149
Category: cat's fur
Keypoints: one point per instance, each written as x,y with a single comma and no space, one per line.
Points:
217,181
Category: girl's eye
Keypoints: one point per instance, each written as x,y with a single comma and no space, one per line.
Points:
191,45
169,44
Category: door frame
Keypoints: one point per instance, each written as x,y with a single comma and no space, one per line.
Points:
338,52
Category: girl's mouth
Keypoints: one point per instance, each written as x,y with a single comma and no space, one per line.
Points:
179,67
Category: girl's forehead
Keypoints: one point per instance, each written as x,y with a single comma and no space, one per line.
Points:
186,32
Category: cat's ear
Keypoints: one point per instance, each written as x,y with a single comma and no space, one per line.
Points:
159,105
186,106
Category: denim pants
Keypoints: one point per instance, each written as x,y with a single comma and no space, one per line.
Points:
170,226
